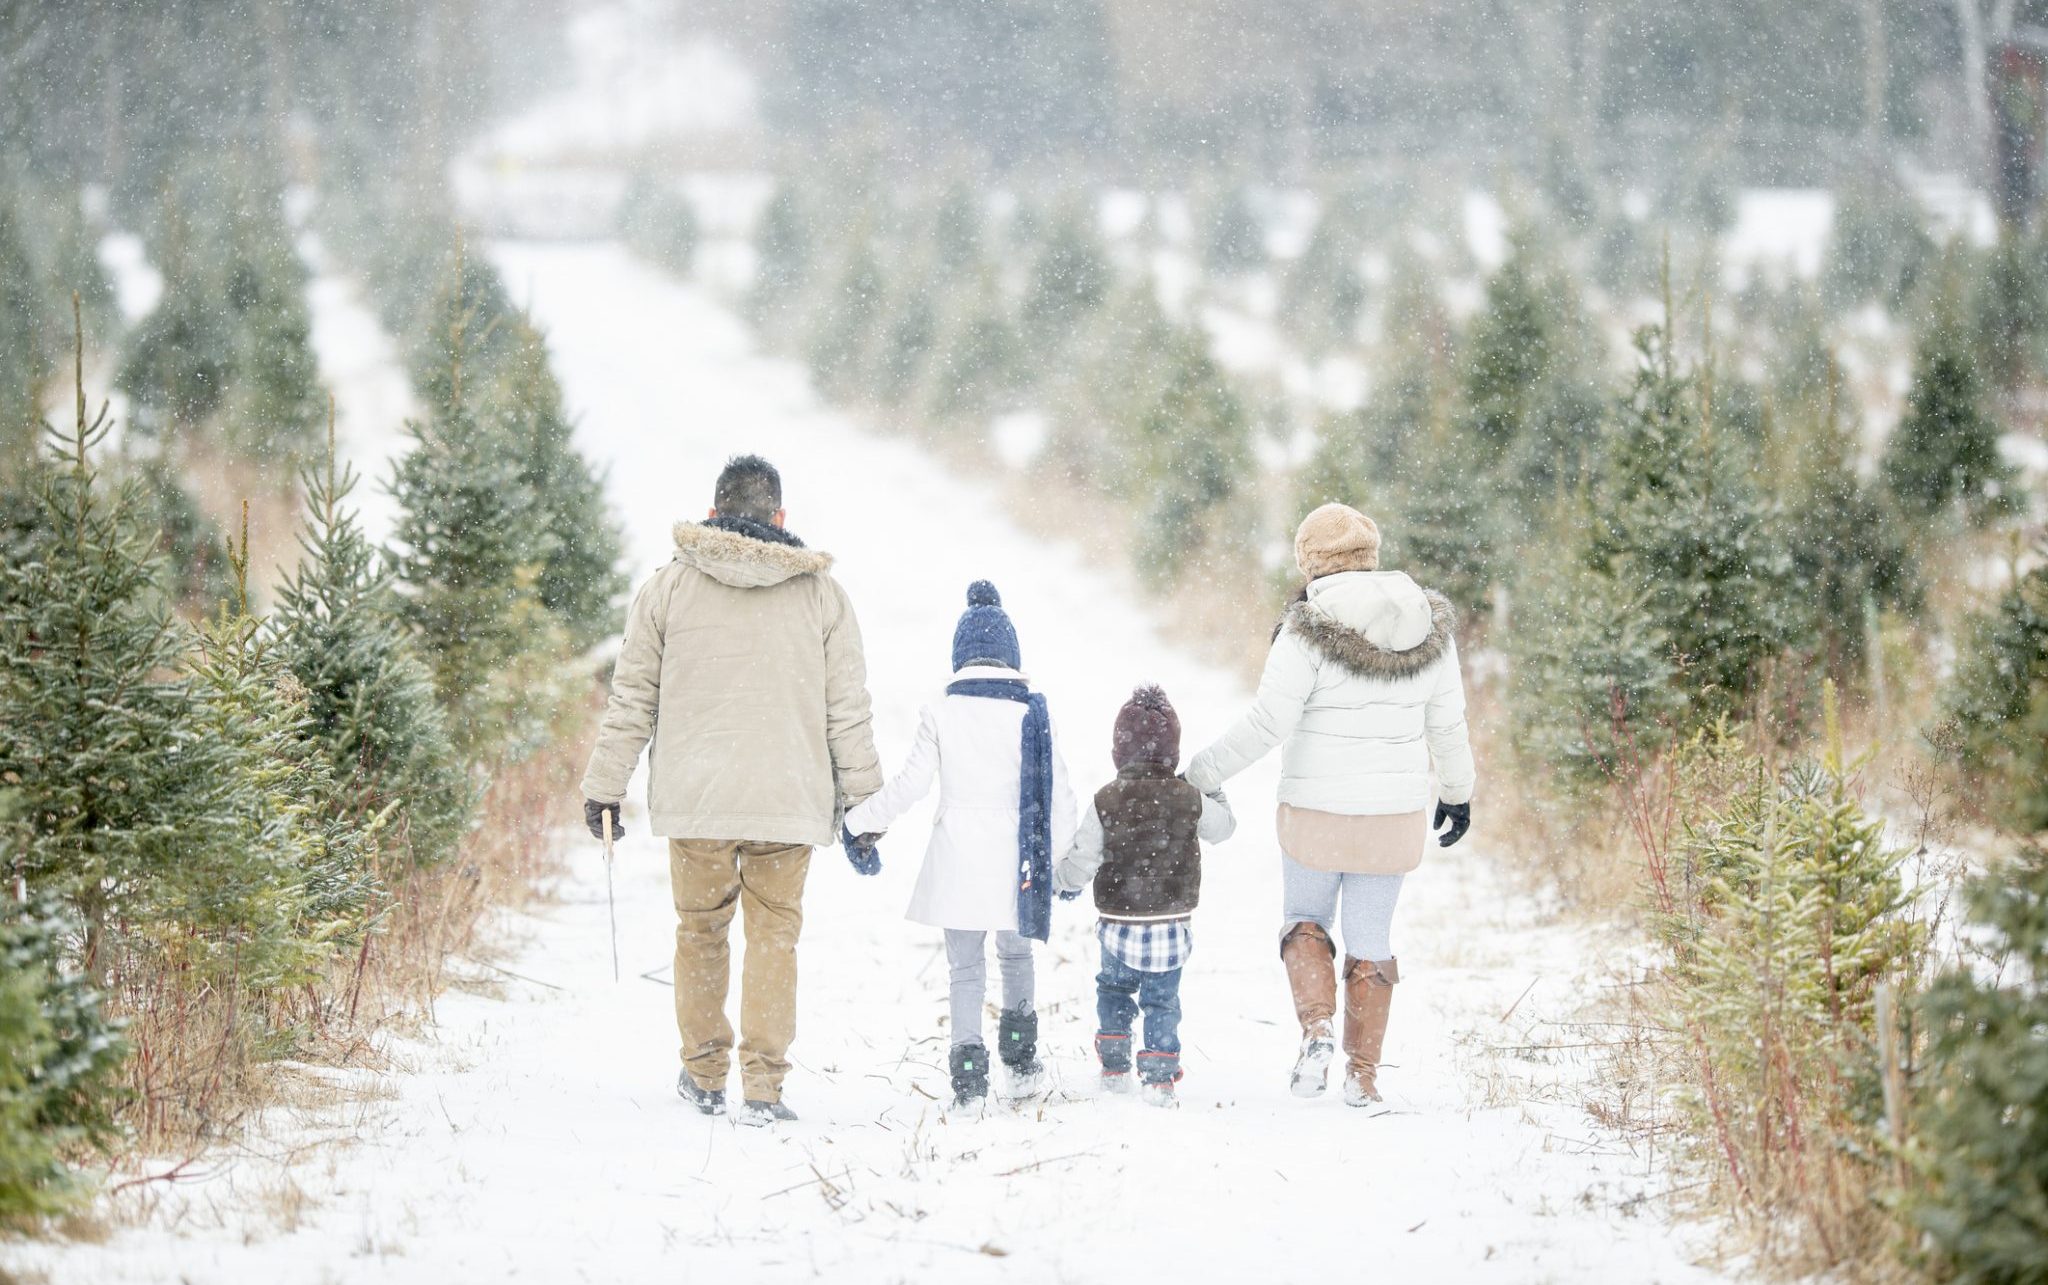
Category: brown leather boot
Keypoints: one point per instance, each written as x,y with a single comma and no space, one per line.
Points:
1311,960
1368,995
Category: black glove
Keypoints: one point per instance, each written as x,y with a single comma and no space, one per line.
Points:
1460,817
1069,894
594,814
861,851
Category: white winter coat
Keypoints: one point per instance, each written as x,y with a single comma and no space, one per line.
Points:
972,746
1363,692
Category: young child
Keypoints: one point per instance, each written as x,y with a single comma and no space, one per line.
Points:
1141,844
1005,809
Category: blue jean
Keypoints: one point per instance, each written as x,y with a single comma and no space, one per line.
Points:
1120,991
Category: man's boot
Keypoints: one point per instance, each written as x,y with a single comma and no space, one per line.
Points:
1017,1045
970,1074
1368,994
1311,960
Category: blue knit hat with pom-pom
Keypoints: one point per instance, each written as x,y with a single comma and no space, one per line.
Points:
985,632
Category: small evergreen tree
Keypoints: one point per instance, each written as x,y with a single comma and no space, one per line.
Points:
1878,249
908,340
60,1058
1996,716
1678,523
1944,451
580,581
847,320
194,563
23,367
1530,403
1981,1133
980,359
177,364
1070,279
1325,293
369,698
1195,449
2010,304
783,255
273,410
1237,238
471,542
660,224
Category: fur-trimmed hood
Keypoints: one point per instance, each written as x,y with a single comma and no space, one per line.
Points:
1374,624
746,554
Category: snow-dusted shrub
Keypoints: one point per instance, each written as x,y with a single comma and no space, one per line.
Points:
1780,911
1996,724
1981,1129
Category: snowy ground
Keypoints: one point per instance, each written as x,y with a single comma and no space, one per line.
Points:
538,1137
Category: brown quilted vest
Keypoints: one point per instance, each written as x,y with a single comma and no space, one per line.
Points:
1151,851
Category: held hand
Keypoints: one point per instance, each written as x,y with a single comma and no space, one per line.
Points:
594,814
865,857
1460,817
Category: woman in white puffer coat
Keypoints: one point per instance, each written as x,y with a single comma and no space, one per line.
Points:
1363,693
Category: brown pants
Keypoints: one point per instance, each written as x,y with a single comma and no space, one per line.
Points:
711,877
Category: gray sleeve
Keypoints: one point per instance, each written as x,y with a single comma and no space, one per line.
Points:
1218,821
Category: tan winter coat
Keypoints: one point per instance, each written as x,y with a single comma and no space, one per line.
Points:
743,664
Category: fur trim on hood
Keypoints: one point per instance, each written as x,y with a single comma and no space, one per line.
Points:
746,554
1345,644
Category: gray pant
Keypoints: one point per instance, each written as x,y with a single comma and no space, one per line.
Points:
966,952
1367,908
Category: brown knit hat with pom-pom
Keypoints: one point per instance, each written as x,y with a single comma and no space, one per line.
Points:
1147,731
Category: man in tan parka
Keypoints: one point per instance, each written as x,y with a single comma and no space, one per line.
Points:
742,664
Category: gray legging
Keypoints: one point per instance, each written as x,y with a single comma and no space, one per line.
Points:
967,953
1367,906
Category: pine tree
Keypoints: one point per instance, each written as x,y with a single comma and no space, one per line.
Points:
1944,451
1996,706
60,1056
980,359
847,320
273,410
289,879
113,785
1980,1135
1069,280
1325,294
23,367
1678,523
177,364
369,697
580,581
660,224
192,544
783,255
956,230
1195,449
908,341
1525,390
472,540
2011,312
1237,239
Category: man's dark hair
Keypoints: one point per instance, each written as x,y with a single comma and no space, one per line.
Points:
748,487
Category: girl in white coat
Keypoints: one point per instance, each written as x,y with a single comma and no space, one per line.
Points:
1005,808
1363,694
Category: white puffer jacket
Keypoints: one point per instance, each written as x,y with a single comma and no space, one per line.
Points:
1362,686
973,747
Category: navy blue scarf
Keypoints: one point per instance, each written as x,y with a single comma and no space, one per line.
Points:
1034,804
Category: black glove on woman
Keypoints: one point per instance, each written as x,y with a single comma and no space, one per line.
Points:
1460,817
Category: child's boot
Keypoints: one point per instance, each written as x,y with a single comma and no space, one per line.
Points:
1017,1033
1159,1072
970,1074
1368,995
1114,1052
1311,961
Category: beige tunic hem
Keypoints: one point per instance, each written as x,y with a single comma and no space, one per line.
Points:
1365,845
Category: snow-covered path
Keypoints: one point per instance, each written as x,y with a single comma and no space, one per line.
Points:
540,1139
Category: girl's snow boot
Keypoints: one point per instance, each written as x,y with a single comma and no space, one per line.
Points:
1159,1072
1017,1033
1114,1052
758,1114
970,1073
1368,995
1311,961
